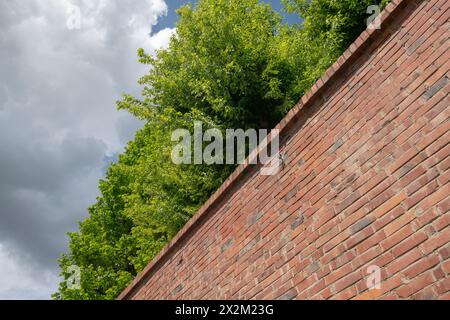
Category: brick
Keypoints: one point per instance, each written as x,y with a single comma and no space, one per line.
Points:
403,262
417,284
435,88
347,281
444,252
444,206
421,266
446,266
346,294
369,295
442,222
389,205
290,295
361,224
408,155
409,243
396,238
436,241
338,274
436,197
403,220
359,237
425,294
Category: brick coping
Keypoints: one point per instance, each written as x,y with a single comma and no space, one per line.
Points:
343,63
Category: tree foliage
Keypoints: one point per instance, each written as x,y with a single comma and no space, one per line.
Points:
218,64
145,199
335,23
232,64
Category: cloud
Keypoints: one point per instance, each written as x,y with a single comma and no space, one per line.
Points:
22,280
58,122
161,39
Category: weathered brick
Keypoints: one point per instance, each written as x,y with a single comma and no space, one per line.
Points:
436,241
361,224
389,205
421,266
417,284
404,261
409,243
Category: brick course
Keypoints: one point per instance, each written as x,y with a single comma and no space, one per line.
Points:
366,182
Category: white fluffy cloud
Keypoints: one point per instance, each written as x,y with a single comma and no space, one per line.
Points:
58,121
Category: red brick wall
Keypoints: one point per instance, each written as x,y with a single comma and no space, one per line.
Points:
366,182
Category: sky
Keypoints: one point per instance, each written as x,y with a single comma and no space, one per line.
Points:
169,20
59,127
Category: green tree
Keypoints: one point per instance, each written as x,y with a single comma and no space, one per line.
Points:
217,63
145,199
303,52
232,64
335,23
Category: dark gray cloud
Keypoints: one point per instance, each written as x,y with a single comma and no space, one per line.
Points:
58,122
